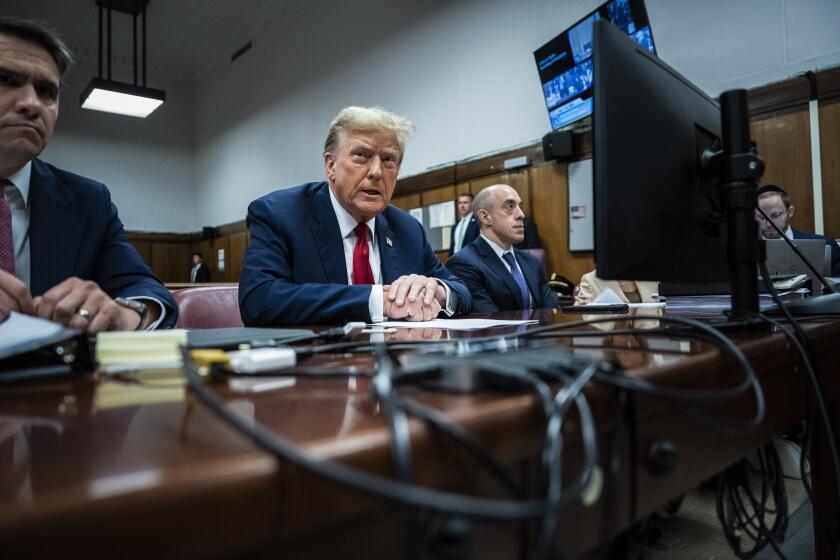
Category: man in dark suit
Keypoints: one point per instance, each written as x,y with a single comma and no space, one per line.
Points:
336,251
64,255
199,272
775,202
498,277
467,227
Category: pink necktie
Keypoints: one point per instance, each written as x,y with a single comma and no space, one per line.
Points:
7,243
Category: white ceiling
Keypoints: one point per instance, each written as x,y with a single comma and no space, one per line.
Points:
186,38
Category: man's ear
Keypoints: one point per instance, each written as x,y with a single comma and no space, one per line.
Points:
329,166
790,211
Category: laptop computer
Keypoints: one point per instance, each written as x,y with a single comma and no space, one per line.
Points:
782,261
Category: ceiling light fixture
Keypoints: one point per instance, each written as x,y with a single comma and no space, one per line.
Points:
105,94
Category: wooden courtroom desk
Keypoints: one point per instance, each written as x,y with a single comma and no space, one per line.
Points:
97,468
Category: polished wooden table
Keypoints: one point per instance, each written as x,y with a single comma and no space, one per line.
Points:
137,467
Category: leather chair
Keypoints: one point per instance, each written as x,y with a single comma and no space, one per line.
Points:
208,307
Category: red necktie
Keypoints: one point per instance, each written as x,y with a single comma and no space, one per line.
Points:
362,274
7,243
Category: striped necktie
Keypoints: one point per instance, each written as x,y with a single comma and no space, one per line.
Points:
520,280
7,242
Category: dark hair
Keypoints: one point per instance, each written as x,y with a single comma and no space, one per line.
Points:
200,256
469,194
38,33
770,190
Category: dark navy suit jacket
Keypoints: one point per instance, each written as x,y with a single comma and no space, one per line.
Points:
294,269
835,249
469,235
492,286
74,230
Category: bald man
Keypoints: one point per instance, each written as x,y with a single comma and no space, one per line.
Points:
498,277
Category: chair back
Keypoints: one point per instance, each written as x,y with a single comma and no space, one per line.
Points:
208,307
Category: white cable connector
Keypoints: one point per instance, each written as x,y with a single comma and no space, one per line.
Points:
262,359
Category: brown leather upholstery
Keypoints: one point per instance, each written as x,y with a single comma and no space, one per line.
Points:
208,307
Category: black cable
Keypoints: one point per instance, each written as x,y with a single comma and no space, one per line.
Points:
800,340
397,422
435,420
395,491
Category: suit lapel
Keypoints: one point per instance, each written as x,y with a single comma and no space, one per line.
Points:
498,267
328,236
55,229
390,266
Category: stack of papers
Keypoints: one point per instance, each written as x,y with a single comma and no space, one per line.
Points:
122,351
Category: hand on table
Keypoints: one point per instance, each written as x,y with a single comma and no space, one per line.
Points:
82,304
414,298
14,296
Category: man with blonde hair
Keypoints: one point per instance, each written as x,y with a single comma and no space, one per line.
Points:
336,250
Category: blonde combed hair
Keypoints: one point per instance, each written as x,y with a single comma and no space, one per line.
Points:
368,118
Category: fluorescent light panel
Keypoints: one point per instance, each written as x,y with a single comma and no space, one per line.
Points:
120,98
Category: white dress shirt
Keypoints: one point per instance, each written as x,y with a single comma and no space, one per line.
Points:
499,252
17,197
346,225
460,232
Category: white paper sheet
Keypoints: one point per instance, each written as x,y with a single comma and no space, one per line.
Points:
607,296
442,214
417,214
19,329
455,324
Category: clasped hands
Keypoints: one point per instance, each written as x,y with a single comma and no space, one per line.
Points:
75,303
413,298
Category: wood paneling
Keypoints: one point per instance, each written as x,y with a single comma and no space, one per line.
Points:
830,154
438,195
171,262
549,186
238,242
407,202
144,248
785,145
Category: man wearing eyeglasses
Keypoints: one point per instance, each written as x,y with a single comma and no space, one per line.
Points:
775,202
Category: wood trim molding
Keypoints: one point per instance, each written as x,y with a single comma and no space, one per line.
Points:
162,237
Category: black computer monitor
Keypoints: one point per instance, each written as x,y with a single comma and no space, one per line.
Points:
657,213
674,177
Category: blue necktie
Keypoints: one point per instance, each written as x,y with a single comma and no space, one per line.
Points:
520,281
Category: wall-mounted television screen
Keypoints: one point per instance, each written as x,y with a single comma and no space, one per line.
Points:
565,63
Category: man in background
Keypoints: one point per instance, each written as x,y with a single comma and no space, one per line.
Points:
467,228
775,202
64,255
498,277
336,250
199,273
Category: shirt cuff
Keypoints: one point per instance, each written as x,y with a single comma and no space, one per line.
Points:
146,299
376,304
451,302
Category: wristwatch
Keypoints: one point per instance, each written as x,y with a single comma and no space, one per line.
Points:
134,305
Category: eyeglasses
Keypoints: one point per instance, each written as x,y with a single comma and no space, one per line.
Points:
774,216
